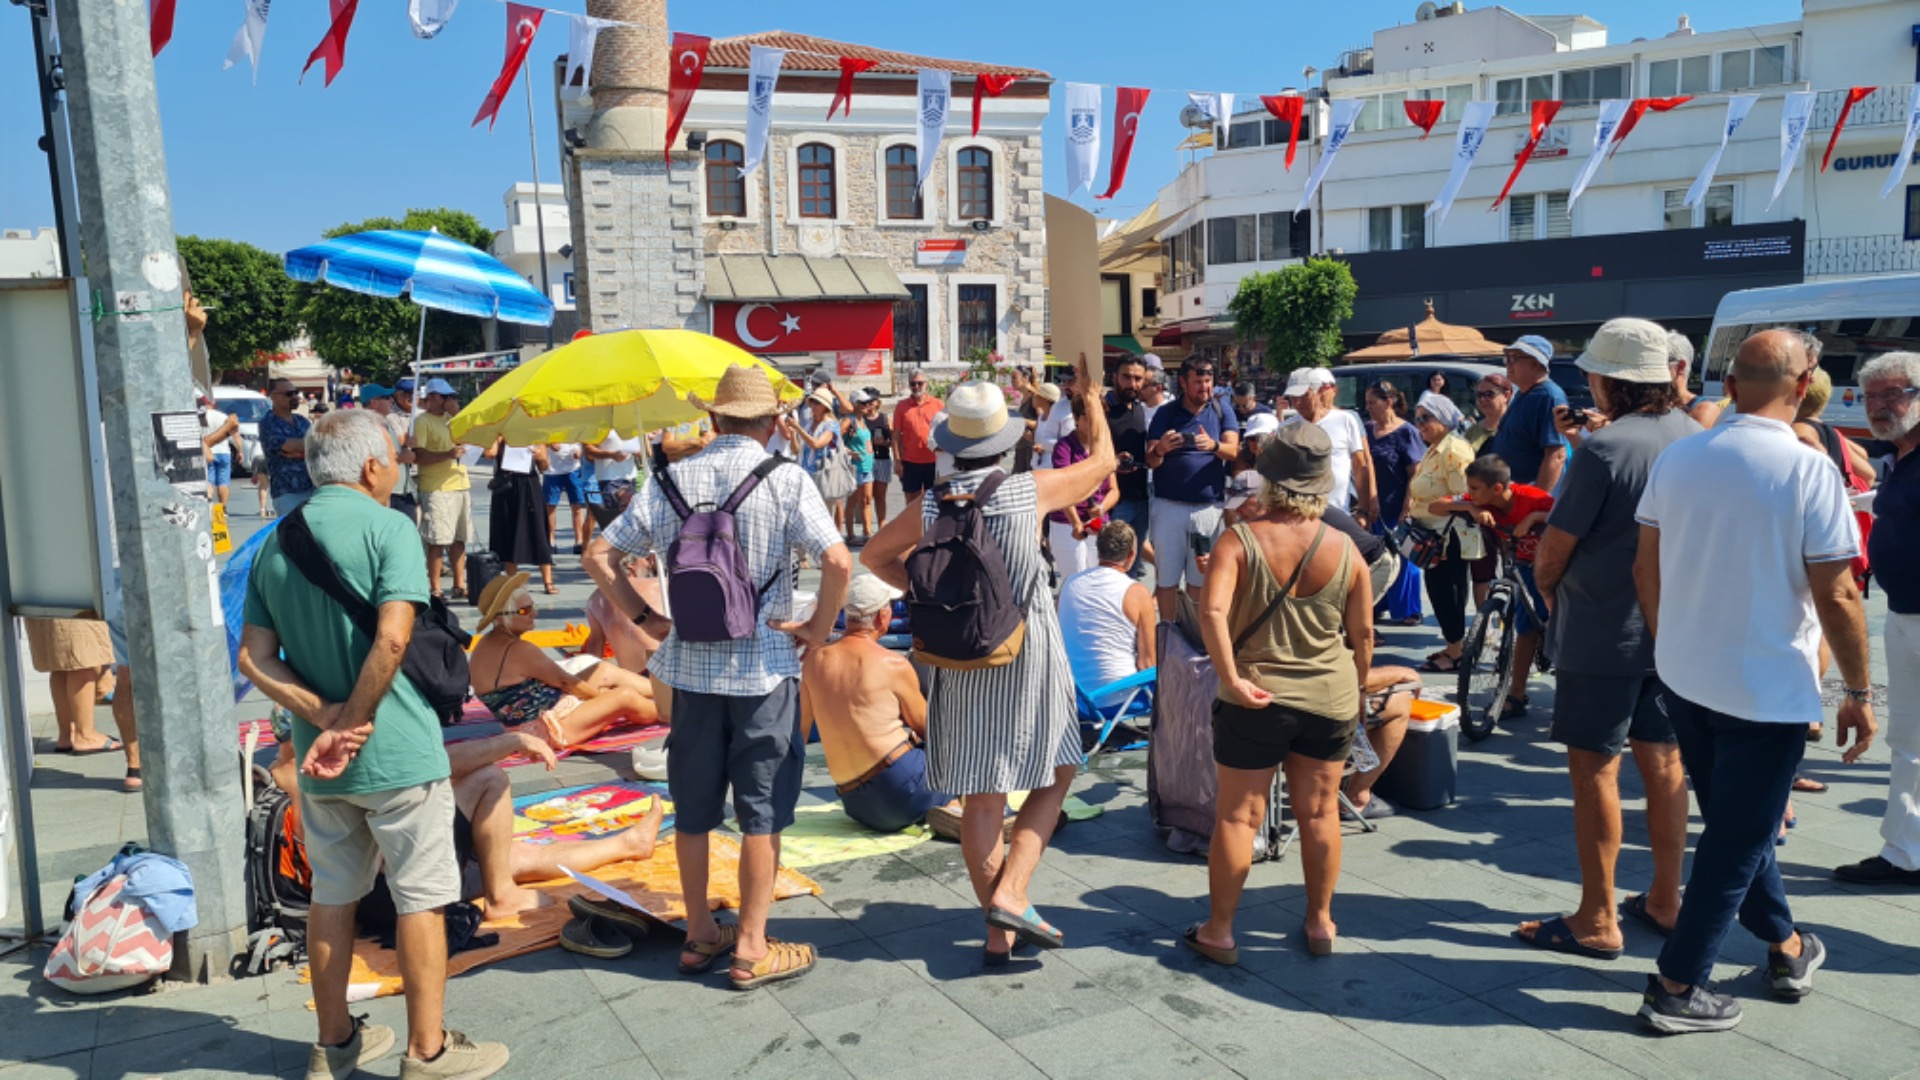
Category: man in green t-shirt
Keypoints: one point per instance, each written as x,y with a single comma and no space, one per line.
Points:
375,784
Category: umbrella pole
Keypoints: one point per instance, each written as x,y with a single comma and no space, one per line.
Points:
420,344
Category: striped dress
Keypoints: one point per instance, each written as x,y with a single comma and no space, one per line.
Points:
1006,729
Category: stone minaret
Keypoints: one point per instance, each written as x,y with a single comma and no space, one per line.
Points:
636,229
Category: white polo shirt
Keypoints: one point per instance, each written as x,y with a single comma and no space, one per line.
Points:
1742,509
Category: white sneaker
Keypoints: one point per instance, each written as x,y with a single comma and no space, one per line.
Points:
650,760
370,1041
460,1059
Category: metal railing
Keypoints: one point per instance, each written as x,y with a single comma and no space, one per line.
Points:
1887,105
1843,256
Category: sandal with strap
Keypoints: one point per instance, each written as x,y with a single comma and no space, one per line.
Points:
709,951
784,960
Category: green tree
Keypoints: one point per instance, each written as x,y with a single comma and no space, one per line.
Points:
1297,310
376,337
253,304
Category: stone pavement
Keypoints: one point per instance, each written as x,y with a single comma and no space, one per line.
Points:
1426,981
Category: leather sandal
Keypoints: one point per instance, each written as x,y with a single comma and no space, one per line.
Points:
709,951
784,960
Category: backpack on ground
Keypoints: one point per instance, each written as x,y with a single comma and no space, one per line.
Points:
709,587
959,596
436,660
279,879
111,943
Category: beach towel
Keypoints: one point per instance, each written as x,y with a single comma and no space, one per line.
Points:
587,812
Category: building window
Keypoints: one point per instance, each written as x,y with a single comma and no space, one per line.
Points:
977,320
726,188
1244,133
816,181
1413,226
1588,86
1232,239
1714,211
1512,96
1284,236
1684,75
903,184
1743,68
1368,119
1380,228
976,182
1149,303
1397,228
1913,212
1184,252
1539,217
910,327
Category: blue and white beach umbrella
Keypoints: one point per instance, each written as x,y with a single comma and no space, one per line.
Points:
437,271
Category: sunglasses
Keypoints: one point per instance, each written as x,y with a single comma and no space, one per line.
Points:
526,609
1484,395
1422,418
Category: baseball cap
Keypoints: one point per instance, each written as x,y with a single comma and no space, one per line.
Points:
439,386
1535,346
374,392
404,386
1152,361
1260,425
1305,379
1244,486
867,595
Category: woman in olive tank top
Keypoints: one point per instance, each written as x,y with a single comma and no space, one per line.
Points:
1288,619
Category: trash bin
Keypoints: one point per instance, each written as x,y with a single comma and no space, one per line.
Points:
1423,774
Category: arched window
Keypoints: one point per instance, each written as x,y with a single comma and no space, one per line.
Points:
903,184
976,182
816,181
726,188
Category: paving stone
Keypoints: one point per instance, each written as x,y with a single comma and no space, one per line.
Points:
1121,1045
848,975
887,1036
75,1066
1453,1041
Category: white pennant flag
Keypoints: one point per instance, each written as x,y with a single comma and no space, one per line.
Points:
1344,112
1738,106
1906,146
1083,135
1795,116
1611,112
763,73
252,36
429,17
1217,107
581,36
1466,147
936,101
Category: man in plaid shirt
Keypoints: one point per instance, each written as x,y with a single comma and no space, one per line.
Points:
736,704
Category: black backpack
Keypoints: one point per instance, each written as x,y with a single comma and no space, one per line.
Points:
436,660
959,596
276,903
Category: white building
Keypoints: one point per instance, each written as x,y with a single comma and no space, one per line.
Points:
29,253
1628,245
518,245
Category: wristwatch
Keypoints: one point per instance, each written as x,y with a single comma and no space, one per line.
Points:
1865,697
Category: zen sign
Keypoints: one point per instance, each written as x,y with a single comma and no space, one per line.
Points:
1531,306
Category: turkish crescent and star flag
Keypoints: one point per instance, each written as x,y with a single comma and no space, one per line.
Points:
803,326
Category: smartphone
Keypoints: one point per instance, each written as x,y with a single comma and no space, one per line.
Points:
1126,464
1577,416
1202,543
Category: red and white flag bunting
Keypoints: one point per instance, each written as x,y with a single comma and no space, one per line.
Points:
1342,113
1738,106
1128,101
850,66
986,86
523,23
333,46
159,24
1638,108
1543,114
1291,108
583,34
1472,135
1424,114
685,69
1853,98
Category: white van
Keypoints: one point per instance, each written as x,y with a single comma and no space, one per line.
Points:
1855,319
249,408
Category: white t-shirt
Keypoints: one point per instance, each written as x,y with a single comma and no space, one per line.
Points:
563,458
1737,631
610,469
1349,437
1057,425
215,421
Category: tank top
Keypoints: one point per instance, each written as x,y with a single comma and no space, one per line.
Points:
1093,617
1300,656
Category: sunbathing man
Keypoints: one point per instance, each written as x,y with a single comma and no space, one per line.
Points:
524,688
872,717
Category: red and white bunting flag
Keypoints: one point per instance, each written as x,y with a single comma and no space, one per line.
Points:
687,68
1127,103
523,23
1468,139
1853,98
986,86
1424,114
583,36
1612,112
843,94
333,47
1638,108
1543,114
1288,107
159,24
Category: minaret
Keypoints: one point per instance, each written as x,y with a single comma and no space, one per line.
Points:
629,76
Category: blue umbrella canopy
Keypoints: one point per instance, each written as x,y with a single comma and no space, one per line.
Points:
438,271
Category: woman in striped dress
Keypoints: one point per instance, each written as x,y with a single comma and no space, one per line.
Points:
999,730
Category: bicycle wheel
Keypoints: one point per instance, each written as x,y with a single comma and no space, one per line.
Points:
1486,661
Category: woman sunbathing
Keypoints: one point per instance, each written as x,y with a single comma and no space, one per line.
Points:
523,688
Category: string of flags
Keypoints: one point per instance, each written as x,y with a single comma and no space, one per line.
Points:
688,63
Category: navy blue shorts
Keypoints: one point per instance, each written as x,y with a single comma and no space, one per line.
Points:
915,477
895,798
750,743
571,484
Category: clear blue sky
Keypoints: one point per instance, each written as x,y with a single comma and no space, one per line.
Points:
277,163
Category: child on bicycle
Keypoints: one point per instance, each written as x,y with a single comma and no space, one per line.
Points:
1516,512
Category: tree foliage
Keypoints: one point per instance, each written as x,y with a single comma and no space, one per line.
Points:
376,337
253,303
1297,310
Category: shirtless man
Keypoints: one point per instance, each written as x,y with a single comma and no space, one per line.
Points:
872,717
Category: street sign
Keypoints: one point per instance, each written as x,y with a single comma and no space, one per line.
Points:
940,252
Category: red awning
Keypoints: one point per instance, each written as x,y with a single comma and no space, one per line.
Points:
795,326
1171,333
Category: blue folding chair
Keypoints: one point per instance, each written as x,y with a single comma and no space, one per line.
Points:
1136,702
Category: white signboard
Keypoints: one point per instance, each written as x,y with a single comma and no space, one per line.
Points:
941,252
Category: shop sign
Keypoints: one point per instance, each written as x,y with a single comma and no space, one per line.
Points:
940,252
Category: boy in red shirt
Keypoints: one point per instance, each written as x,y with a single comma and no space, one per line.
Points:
1516,511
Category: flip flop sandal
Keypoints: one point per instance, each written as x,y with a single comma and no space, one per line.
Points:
1028,926
1635,907
1554,935
113,745
1437,660
710,951
592,937
1808,785
623,919
783,961
1224,957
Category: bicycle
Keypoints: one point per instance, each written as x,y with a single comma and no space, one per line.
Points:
1486,654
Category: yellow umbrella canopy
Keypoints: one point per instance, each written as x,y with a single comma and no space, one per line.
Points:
632,380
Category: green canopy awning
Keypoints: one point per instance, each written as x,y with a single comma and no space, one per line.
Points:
1126,343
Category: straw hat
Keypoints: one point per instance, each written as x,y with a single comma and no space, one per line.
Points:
823,399
977,424
498,594
743,392
1047,392
1298,458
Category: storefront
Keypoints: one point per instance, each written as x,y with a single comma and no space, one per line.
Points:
803,313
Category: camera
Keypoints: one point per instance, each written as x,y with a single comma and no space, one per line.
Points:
1577,416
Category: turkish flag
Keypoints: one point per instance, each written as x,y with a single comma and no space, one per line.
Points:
159,24
843,94
688,67
1424,114
805,326
1127,103
1638,108
986,86
1853,98
333,47
1288,107
1543,114
522,23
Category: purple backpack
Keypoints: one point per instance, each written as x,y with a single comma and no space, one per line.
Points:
708,585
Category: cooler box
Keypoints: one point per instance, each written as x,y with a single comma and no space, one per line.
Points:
1423,774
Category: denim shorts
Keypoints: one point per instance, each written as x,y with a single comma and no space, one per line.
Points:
896,796
220,470
569,484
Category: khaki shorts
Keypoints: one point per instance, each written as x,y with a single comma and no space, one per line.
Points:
68,644
348,836
446,517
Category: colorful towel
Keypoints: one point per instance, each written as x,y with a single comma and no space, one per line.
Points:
587,812
825,834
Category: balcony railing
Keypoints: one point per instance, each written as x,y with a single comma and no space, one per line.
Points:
1887,105
1845,256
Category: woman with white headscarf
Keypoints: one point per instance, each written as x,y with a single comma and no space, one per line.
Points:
1441,473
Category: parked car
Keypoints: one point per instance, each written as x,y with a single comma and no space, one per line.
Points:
249,408
1572,380
1411,376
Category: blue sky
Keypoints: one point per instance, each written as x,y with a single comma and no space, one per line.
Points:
275,164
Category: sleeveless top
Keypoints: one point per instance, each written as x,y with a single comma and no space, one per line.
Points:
1100,637
1300,656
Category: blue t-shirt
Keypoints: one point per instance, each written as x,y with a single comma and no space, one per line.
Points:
285,475
1189,475
1894,545
1527,433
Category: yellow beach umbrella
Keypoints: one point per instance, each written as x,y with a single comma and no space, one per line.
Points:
630,380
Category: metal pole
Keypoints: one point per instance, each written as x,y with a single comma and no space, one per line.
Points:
19,742
181,680
539,211
419,352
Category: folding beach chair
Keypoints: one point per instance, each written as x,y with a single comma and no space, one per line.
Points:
1098,721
